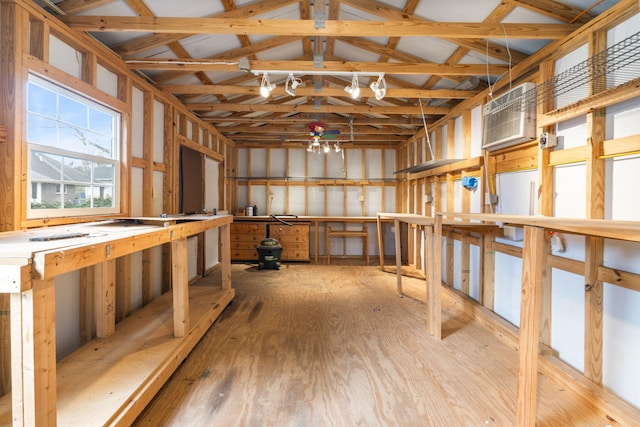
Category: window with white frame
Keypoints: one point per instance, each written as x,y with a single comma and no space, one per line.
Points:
74,156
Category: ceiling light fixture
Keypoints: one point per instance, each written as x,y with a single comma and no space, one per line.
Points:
379,88
336,146
326,147
291,84
354,89
265,86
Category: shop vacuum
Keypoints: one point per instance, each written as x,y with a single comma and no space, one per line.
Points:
270,250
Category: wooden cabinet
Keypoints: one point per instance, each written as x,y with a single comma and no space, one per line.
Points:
246,236
294,240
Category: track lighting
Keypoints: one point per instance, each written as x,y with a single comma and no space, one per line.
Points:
291,84
354,89
265,86
336,146
326,147
379,88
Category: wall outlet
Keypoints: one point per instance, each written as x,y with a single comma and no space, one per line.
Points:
547,140
515,234
361,198
490,199
428,198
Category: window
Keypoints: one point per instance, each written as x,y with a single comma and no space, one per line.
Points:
73,159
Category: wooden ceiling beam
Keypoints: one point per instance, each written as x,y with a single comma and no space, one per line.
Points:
369,137
248,26
154,40
494,50
307,67
306,108
310,91
303,129
330,120
555,10
71,7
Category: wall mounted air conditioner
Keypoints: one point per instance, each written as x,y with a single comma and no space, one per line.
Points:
510,119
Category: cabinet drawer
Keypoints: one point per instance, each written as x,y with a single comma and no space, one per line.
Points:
241,237
257,229
295,254
284,230
244,254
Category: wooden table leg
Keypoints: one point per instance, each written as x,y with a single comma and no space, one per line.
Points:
105,276
317,243
396,225
33,348
532,262
180,285
434,314
225,255
380,243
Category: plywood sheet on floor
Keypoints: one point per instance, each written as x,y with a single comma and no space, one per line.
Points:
316,345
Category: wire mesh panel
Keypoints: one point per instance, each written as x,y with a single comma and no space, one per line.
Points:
605,70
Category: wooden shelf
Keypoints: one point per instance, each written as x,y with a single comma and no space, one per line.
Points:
109,380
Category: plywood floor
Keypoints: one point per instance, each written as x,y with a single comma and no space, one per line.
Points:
316,345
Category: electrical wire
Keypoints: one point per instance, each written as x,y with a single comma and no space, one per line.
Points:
506,42
426,131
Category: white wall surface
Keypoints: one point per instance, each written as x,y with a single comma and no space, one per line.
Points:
64,57
158,132
137,123
211,201
277,162
106,81
67,313
354,164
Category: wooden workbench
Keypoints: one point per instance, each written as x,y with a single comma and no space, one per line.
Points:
432,235
533,259
109,380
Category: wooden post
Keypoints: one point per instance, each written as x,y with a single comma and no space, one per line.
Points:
87,303
396,225
487,285
123,287
434,316
33,339
380,242
105,273
180,284
532,272
225,255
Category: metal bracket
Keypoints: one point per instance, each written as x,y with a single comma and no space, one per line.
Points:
320,19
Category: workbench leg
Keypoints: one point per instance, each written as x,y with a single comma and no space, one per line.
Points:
380,243
33,355
435,315
396,226
225,255
316,242
433,286
180,285
532,271
105,275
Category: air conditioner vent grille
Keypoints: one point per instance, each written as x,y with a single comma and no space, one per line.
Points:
511,118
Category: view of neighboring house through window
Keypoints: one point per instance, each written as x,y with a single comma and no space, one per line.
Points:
73,153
